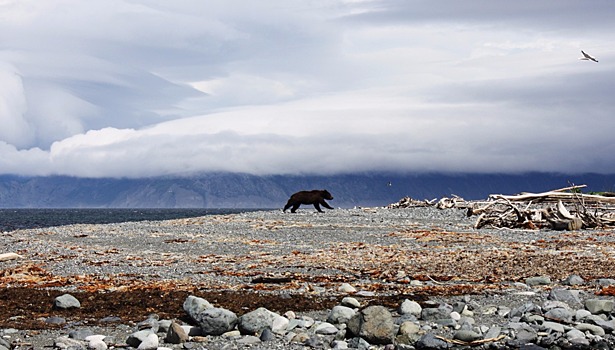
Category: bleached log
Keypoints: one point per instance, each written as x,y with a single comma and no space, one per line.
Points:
9,256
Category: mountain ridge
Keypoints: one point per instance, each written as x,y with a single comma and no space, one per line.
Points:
234,190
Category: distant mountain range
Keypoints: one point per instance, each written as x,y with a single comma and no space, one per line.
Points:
229,190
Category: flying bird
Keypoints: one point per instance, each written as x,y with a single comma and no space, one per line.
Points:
587,57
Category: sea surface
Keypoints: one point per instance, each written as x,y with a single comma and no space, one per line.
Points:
12,219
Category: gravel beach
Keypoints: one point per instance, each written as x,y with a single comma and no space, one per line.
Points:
488,288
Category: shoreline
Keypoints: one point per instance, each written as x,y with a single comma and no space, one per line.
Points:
386,255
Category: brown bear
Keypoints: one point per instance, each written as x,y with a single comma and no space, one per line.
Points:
315,197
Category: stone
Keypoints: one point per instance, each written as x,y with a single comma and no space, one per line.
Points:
67,343
573,280
598,306
538,281
559,314
433,314
216,321
135,339
339,344
176,334
55,320
409,328
163,325
325,328
374,324
593,329
66,301
255,321
194,306
249,340
553,326
575,334
149,343
409,307
347,288
150,323
493,332
267,335
340,314
570,297
359,343
351,302
466,335
80,334
605,282
96,342
429,341
279,324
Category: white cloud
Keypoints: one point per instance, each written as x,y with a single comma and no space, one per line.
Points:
146,88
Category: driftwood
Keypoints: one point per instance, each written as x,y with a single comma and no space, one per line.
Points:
557,210
9,256
442,203
560,209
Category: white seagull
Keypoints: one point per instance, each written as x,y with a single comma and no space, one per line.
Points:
587,57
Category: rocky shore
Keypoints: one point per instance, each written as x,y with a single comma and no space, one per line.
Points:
416,278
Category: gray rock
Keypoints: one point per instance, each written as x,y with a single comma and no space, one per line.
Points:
593,329
574,334
66,301
255,321
605,282
351,302
409,328
95,342
150,323
433,314
608,326
150,342
559,314
430,342
597,306
553,326
55,320
466,335
340,314
267,335
570,297
538,281
67,343
325,328
374,324
574,280
339,344
359,343
216,321
493,332
194,306
163,325
249,340
135,339
80,334
176,334
409,307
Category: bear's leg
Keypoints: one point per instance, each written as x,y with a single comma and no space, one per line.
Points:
324,204
295,207
288,205
317,206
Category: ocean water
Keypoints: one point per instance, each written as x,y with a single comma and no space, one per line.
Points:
12,219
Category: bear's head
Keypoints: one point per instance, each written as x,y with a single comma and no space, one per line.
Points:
326,195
